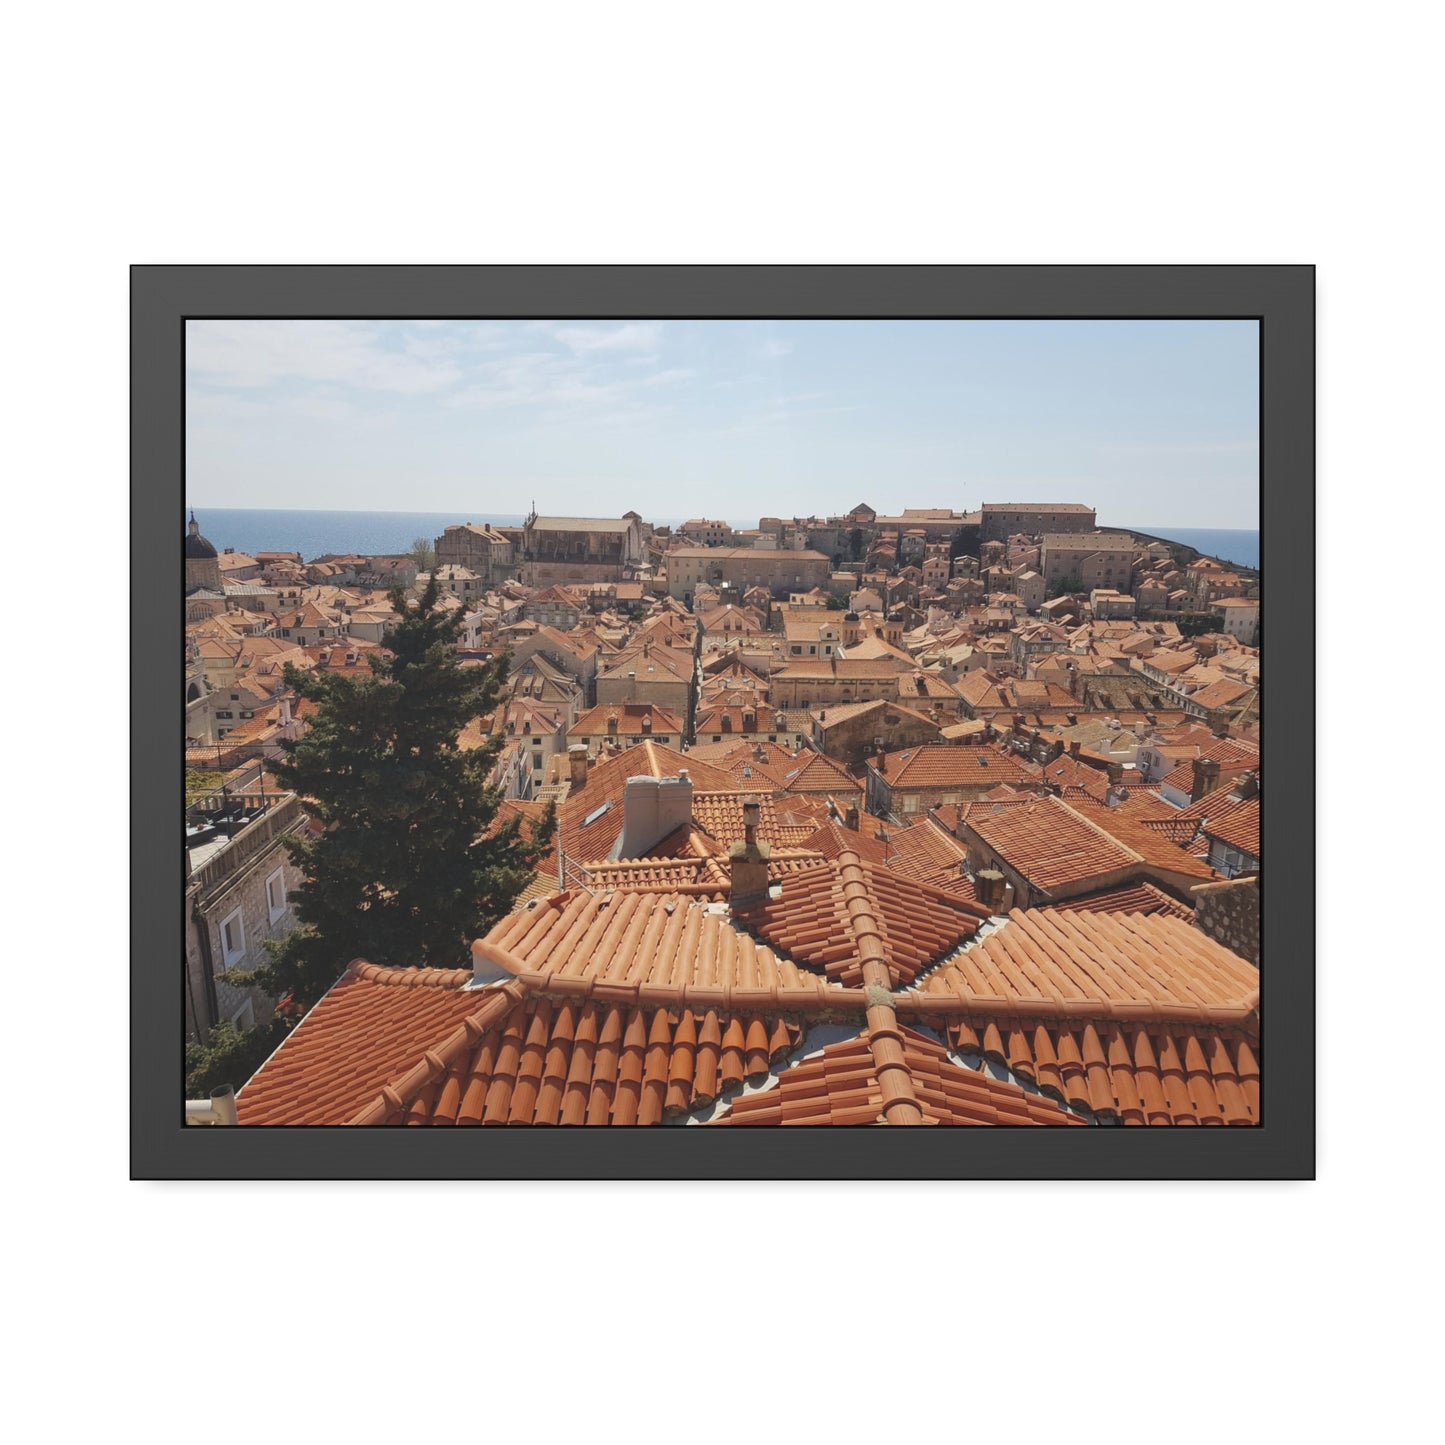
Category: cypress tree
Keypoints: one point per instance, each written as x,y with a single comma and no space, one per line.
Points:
398,866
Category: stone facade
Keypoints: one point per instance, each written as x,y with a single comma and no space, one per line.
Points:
781,572
231,908
484,550
1001,520
850,734
581,549
1099,559
1229,914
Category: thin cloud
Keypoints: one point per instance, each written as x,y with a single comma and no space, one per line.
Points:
634,336
256,354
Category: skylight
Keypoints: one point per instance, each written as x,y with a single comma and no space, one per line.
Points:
595,814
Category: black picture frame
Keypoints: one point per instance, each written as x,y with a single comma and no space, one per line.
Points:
1281,298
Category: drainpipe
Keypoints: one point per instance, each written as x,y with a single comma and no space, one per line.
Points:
208,964
220,1108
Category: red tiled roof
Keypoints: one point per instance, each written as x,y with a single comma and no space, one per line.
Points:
607,783
1050,844
370,1029
939,765
784,821
705,877
1131,828
926,854
1077,964
1144,1019
1236,827
618,942
840,1086
812,922
1130,898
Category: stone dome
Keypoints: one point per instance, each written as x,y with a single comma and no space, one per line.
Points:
197,548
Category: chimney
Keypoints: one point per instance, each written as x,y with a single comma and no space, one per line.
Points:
1074,749
850,820
1247,785
1220,727
748,860
651,809
1206,775
989,886
577,764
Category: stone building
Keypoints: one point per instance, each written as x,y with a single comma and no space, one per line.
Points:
781,571
238,886
1094,559
203,568
705,532
855,731
481,548
581,549
1002,519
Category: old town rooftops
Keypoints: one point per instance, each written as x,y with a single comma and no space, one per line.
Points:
943,765
1050,844
639,1007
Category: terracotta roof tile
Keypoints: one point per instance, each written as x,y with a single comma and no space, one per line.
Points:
1050,844
811,921
942,765
1141,897
843,1085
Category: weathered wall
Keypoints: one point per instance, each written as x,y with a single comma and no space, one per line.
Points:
1229,914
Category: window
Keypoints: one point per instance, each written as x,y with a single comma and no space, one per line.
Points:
276,894
245,1017
233,938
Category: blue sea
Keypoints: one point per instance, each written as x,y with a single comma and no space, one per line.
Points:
1236,545
313,534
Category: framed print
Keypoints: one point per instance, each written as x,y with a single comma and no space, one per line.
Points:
722,722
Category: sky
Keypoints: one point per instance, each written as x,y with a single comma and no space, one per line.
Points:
1153,423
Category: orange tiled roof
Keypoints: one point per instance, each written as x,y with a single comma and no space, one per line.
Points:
1050,844
940,765
1076,964
784,821
1141,897
605,787
1143,1019
706,876
812,920
513,1058
840,1086
1236,827
832,840
1131,827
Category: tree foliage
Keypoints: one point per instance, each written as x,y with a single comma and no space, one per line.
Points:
230,1056
964,542
200,782
398,865
423,554
857,538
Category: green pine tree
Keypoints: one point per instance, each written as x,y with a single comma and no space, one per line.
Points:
398,870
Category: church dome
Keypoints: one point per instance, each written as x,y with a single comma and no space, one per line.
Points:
197,548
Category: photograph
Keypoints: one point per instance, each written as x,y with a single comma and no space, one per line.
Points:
731,721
